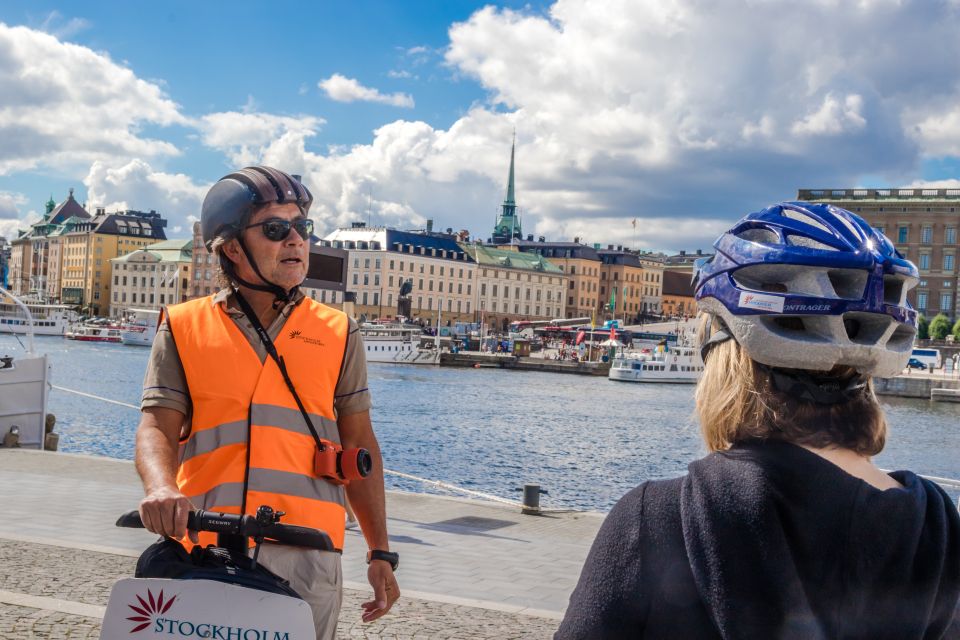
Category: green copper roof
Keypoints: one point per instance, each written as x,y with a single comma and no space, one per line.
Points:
491,257
166,251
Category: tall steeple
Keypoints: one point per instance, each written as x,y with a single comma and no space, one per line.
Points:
508,224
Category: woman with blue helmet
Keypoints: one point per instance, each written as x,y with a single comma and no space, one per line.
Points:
786,529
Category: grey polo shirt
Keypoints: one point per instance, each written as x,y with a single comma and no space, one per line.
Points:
165,384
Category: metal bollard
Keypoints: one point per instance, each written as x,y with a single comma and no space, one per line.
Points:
531,500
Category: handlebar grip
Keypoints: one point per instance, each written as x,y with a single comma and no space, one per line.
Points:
299,536
131,520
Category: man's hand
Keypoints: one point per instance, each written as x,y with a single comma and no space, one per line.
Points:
164,511
386,591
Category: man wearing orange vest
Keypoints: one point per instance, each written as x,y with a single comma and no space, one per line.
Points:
244,387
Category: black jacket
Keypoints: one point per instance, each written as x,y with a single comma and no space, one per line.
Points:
772,541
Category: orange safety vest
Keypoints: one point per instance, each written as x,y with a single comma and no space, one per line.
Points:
249,444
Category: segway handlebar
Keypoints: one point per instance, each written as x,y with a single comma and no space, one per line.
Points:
264,526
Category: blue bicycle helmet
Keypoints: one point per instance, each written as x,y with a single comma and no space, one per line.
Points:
810,286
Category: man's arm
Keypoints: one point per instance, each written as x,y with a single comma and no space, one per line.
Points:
369,504
163,509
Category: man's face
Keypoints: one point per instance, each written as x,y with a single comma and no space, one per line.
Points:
283,263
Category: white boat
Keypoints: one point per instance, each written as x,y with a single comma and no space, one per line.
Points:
24,390
95,333
679,364
48,319
140,327
399,343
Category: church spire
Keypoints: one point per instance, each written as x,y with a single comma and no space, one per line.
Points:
508,224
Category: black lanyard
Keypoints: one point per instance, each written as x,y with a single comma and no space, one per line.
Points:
272,351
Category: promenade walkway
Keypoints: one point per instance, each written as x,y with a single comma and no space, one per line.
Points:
468,569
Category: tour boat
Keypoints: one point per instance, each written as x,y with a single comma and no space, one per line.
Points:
95,333
140,327
679,364
397,343
47,319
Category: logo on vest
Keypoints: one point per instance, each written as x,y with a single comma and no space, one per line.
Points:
296,334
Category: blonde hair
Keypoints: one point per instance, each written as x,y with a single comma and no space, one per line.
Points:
736,401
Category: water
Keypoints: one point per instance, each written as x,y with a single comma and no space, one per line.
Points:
586,440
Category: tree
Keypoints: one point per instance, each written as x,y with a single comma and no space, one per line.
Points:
939,327
923,332
956,331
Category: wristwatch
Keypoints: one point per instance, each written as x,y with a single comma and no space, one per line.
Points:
389,556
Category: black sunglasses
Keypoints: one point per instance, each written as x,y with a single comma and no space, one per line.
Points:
277,229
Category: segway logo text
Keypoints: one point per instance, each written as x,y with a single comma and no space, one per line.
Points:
187,629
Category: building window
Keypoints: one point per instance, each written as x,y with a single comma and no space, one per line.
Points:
924,260
356,278
950,235
946,302
902,234
948,262
364,298
922,301
366,263
926,235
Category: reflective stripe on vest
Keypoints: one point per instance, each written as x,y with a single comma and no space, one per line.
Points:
236,397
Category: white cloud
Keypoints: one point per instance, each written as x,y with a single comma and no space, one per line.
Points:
54,25
833,117
242,135
343,89
10,203
399,74
135,185
64,106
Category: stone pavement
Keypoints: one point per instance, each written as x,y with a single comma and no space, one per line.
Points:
468,569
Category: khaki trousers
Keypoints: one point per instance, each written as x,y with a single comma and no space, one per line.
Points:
316,576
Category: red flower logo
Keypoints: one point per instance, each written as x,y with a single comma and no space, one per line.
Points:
148,609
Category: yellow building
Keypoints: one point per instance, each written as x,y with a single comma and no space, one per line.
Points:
580,263
152,277
86,252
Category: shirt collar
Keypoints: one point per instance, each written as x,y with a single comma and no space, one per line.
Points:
225,297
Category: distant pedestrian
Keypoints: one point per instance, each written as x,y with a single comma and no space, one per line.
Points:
787,529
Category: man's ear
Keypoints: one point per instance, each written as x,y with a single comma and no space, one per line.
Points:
231,249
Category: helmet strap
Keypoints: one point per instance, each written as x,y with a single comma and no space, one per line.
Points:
281,295
722,334
824,390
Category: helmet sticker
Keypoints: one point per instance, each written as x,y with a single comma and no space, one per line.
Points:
761,302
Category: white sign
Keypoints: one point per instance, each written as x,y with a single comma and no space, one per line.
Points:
761,301
142,609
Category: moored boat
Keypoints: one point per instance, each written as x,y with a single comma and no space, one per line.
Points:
47,319
679,365
95,333
140,327
398,343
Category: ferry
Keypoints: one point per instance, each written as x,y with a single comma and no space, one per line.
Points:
140,327
90,332
397,343
678,365
48,319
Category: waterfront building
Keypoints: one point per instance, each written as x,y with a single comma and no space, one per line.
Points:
381,259
512,285
35,255
508,225
203,268
685,260
678,300
622,284
88,248
151,277
652,285
4,263
922,224
580,263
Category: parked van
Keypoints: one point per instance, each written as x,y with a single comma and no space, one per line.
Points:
929,357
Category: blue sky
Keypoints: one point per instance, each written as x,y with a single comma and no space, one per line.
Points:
682,115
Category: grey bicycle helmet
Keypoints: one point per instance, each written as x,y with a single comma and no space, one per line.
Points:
231,201
229,205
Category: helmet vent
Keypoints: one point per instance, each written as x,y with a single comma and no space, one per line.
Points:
809,243
763,236
806,219
865,328
902,338
893,290
848,283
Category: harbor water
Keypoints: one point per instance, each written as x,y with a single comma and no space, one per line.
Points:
586,440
